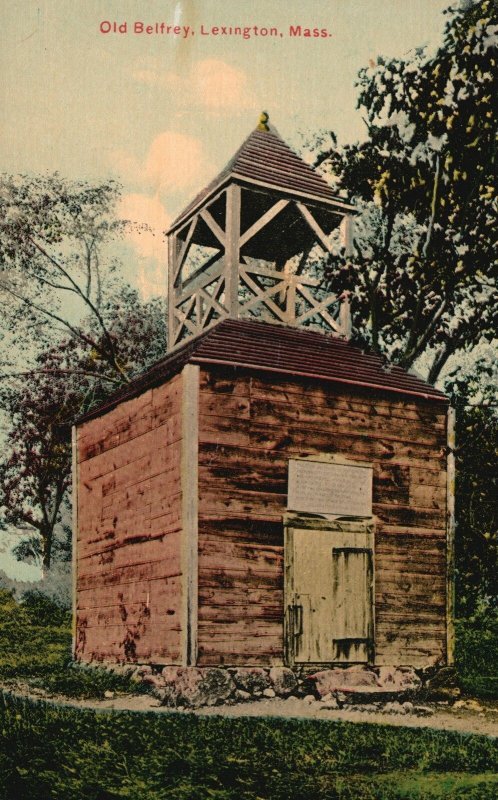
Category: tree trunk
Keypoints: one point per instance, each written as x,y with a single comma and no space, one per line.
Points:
47,534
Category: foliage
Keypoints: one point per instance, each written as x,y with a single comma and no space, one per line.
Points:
62,283
422,275
35,467
53,270
476,490
476,507
43,612
476,649
28,647
35,646
137,328
51,752
80,331
63,383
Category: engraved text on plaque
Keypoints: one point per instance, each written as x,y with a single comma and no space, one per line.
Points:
317,487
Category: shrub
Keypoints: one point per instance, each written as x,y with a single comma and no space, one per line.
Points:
27,647
44,611
35,645
477,652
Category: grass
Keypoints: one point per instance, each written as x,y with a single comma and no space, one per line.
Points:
35,647
58,753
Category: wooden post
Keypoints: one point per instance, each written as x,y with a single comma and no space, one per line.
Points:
232,249
74,555
345,315
450,539
172,258
190,508
289,616
347,234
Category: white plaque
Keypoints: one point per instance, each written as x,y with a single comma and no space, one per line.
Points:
317,487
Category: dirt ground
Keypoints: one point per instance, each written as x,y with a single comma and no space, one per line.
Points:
465,716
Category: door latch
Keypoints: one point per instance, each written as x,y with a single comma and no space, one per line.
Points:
297,620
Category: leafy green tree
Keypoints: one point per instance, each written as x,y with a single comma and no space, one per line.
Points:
422,275
476,541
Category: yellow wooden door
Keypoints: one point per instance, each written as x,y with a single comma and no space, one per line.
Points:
329,595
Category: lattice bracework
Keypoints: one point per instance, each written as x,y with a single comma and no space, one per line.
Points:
284,299
244,254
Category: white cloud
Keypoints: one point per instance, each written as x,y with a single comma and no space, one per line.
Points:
211,84
220,86
175,162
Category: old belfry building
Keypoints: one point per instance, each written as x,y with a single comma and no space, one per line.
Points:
267,493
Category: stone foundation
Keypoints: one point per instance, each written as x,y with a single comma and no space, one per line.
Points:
195,687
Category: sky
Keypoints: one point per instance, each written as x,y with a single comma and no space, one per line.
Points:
163,113
10,565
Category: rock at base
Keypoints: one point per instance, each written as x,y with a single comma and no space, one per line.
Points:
330,705
241,696
283,681
251,679
398,679
194,687
365,681
343,680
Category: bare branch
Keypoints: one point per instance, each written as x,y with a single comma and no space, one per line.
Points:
432,217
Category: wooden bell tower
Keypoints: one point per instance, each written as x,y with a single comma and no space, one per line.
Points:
266,495
244,248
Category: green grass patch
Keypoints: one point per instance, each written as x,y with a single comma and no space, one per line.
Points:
35,646
415,785
58,753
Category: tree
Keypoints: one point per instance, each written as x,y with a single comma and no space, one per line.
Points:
35,469
476,541
423,272
56,270
82,333
64,382
476,506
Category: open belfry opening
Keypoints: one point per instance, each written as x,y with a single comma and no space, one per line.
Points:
267,494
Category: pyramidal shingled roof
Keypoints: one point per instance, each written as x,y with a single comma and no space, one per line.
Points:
266,159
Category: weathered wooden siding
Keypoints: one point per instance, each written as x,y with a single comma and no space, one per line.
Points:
248,429
129,583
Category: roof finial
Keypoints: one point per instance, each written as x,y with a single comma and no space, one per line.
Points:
263,121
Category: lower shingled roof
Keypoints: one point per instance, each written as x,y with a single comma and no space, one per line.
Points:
280,350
